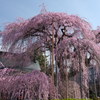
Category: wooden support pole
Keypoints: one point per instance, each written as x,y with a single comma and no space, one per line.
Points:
53,53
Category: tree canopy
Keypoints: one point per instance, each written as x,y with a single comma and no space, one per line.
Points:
71,41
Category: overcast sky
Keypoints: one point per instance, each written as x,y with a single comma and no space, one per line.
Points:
10,10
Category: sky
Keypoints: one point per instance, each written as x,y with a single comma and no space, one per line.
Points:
10,10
